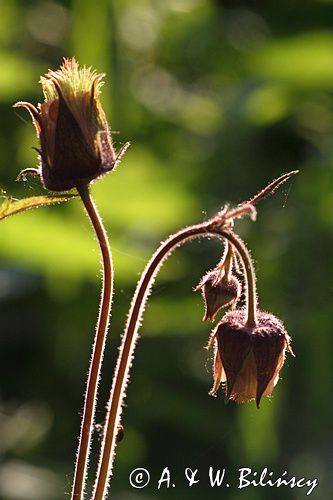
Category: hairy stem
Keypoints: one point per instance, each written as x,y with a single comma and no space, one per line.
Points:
272,186
121,376
228,261
98,346
251,292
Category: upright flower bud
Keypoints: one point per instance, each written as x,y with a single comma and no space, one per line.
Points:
75,140
248,359
218,292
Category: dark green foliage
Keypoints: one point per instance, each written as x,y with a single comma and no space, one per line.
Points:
217,99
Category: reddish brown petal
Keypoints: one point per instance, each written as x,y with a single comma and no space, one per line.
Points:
234,344
267,348
245,386
218,373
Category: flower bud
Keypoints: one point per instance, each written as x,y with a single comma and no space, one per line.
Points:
248,359
75,140
218,292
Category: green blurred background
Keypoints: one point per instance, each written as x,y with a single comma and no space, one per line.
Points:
217,98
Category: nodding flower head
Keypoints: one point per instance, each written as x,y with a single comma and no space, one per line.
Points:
248,359
218,292
75,142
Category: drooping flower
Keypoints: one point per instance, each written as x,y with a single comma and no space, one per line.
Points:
75,142
218,292
248,360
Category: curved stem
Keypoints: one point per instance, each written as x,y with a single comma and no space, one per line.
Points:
121,376
251,292
98,346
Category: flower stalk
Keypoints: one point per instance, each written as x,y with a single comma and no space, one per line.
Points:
98,346
251,291
76,149
129,340
219,226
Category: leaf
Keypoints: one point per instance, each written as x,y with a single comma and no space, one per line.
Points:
10,206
